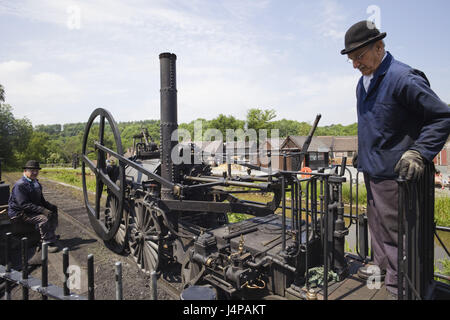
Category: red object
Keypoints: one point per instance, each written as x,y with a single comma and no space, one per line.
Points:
306,169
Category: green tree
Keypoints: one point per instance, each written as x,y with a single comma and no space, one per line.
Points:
338,130
37,148
291,127
200,125
2,93
260,119
51,129
223,122
73,129
14,136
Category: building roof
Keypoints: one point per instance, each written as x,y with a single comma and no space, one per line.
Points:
241,145
207,146
345,143
297,142
273,143
323,143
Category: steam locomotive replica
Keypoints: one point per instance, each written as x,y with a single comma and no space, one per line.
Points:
164,212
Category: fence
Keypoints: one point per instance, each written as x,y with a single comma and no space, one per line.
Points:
417,229
48,290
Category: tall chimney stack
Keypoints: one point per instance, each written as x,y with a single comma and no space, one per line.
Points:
169,121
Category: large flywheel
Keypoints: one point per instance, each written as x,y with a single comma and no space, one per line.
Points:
147,233
105,210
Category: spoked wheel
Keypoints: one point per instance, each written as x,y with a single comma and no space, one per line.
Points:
146,233
106,223
119,242
191,272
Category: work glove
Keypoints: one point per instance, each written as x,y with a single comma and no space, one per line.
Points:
410,166
355,160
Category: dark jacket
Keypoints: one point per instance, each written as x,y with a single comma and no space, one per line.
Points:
399,112
26,197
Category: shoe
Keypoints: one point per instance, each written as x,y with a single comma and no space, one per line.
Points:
371,270
52,247
36,259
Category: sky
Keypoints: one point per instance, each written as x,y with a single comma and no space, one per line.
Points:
61,59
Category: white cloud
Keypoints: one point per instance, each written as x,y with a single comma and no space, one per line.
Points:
331,20
11,69
244,9
224,63
331,95
40,96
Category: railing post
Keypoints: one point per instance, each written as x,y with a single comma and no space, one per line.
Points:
44,262
119,291
153,289
65,271
24,242
8,264
91,295
325,239
283,214
401,213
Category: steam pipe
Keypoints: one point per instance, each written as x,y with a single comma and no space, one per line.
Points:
273,260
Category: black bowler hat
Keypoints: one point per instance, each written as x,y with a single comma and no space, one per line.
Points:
32,164
360,35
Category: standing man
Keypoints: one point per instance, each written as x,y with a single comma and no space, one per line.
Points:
402,124
27,204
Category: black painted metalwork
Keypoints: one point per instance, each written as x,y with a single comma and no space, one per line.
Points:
177,212
66,271
44,266
105,231
27,283
416,238
24,247
91,289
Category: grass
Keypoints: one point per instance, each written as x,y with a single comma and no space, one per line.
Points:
70,176
362,194
445,263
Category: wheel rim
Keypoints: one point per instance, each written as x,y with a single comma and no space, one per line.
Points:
95,213
144,228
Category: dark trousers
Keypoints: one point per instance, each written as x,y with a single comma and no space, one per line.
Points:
382,213
46,227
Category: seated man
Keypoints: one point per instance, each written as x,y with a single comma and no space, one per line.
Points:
27,204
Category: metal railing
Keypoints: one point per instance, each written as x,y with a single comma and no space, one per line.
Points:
416,210
417,229
46,289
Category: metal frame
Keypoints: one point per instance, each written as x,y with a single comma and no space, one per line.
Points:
176,192
48,290
417,230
